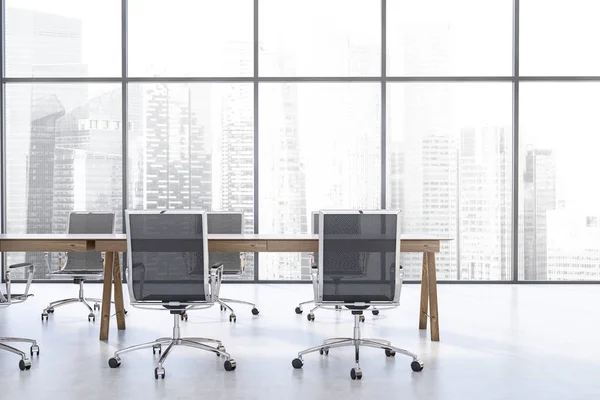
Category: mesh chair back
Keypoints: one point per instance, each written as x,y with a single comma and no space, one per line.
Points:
315,231
167,256
88,223
220,223
358,260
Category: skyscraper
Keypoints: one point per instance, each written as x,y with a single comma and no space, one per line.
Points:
484,197
573,243
176,165
539,197
286,189
32,40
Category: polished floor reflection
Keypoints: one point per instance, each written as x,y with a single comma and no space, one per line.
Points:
497,342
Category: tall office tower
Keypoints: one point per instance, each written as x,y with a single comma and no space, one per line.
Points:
484,198
236,160
573,243
136,146
440,200
396,176
36,38
37,44
40,162
283,198
237,140
88,160
177,168
286,187
539,197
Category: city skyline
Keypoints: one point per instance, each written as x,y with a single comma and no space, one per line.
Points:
449,154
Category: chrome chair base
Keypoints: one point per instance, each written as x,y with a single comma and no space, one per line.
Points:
232,317
311,314
176,340
25,362
357,342
81,299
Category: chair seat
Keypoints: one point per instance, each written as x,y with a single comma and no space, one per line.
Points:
78,273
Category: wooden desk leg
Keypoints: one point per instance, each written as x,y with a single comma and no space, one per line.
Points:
433,301
106,295
424,294
118,282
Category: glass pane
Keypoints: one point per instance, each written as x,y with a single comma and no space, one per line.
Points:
449,38
559,37
63,153
190,38
559,232
320,147
66,38
449,169
319,38
192,146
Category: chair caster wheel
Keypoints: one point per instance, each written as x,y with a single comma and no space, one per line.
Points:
297,363
34,349
362,318
44,315
338,308
51,310
324,351
389,353
220,348
114,362
255,311
298,310
91,317
124,311
229,365
25,364
417,365
232,318
96,306
157,347
310,317
159,372
356,373
184,317
375,312
223,308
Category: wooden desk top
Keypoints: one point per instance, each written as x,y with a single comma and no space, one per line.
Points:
223,243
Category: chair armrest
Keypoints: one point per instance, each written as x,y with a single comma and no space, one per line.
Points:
21,265
216,275
29,276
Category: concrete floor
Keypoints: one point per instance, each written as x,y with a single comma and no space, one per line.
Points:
497,342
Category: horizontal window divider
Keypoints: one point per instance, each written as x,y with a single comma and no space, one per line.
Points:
285,79
450,78
58,79
303,79
181,79
559,78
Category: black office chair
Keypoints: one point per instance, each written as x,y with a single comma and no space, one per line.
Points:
168,270
9,298
358,268
222,222
314,268
82,266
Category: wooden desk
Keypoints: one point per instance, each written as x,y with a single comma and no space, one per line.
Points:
114,244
